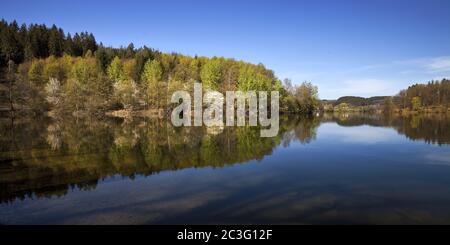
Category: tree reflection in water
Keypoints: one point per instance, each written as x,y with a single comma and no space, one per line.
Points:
47,157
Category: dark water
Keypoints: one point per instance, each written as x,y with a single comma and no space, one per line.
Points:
344,169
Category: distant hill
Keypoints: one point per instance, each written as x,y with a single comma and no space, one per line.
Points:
360,101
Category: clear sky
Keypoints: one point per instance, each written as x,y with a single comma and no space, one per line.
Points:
359,47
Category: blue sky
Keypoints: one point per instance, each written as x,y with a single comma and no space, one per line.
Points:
359,47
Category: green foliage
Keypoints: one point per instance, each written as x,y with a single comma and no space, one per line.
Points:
429,95
130,70
211,74
102,58
84,71
360,101
10,46
141,57
39,41
152,72
307,97
299,99
342,107
151,79
55,41
253,77
54,68
115,70
89,76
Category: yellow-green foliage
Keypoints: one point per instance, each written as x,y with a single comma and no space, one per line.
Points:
211,74
342,107
147,82
151,82
115,70
97,77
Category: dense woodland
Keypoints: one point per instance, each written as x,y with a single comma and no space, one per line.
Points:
433,95
44,69
360,101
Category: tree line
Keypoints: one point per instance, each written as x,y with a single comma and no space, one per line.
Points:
50,70
433,96
24,43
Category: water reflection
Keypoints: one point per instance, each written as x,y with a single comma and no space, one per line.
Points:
46,158
431,128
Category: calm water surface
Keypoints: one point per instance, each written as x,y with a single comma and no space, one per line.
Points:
332,169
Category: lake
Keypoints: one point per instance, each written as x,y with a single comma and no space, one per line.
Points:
329,169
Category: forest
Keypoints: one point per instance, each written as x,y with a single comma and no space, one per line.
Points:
432,96
45,69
